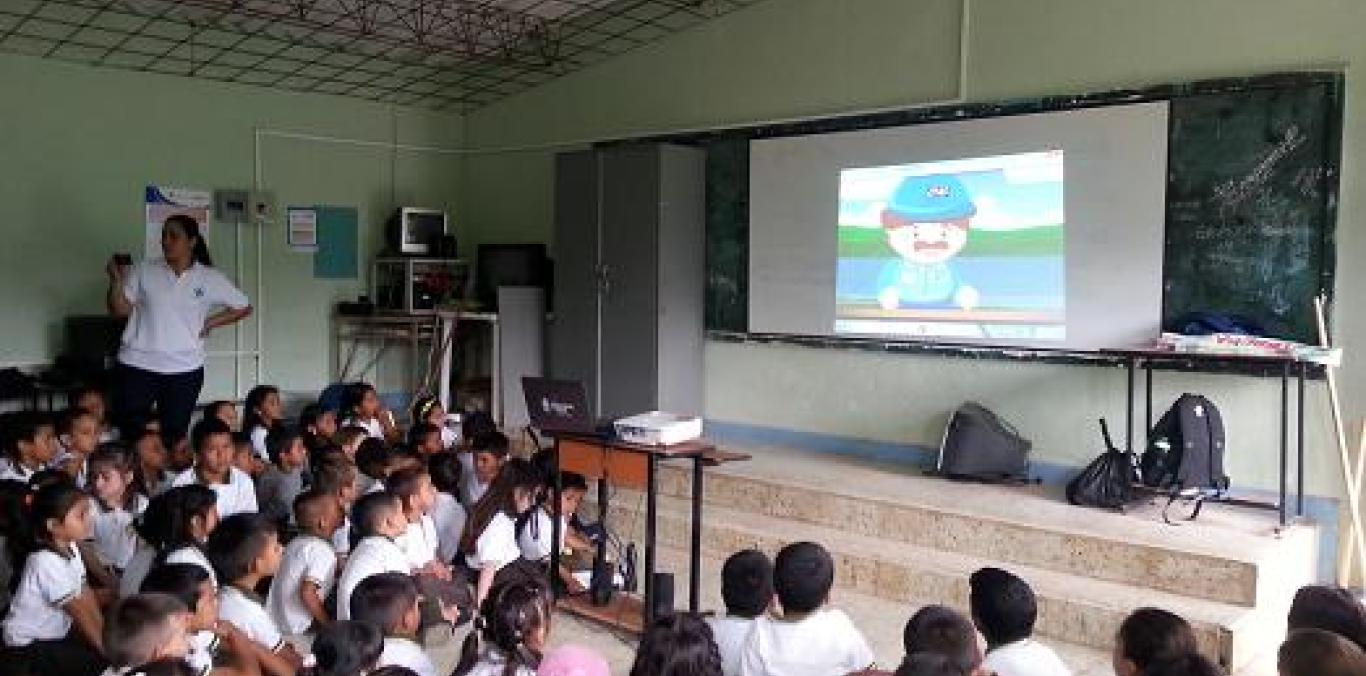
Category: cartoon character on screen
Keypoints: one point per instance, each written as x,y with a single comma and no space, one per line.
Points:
927,221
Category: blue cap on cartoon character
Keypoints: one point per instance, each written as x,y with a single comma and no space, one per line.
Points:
933,198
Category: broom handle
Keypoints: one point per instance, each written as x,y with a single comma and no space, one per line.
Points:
1356,545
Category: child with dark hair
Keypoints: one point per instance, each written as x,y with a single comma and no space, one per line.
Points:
347,648
1319,652
372,459
245,549
425,439
117,506
535,529
489,453
361,407
78,435
677,644
261,412
208,635
390,601
943,631
338,478
377,521
319,427
809,638
54,624
447,512
14,499
512,633
149,455
174,529
223,410
212,442
747,590
1004,610
244,456
489,542
91,398
1329,608
283,479
28,443
145,628
349,438
1148,636
413,488
309,569
428,409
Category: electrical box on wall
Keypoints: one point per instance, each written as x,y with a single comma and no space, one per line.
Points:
235,205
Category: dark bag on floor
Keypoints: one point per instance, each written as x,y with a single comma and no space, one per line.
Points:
1185,454
979,445
1108,481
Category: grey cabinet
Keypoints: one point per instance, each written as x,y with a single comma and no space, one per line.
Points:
629,277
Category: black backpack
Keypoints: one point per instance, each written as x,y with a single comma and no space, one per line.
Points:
1185,454
979,445
1108,481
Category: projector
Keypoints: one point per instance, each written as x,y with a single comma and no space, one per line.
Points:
657,428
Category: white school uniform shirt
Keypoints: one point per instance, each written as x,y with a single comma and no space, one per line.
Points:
449,517
193,555
402,652
203,645
534,540
13,471
235,497
163,333
419,541
307,558
730,634
115,540
341,540
50,581
373,555
249,615
823,643
496,546
449,437
258,442
373,428
1025,658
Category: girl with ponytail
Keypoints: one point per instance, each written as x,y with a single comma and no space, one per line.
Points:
54,625
172,303
510,633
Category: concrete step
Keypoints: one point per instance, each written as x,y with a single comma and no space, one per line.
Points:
1073,608
1231,555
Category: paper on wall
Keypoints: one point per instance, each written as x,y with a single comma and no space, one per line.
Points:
303,229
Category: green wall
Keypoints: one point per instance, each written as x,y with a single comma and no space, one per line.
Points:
795,58
78,145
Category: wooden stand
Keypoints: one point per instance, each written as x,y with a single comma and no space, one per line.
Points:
636,466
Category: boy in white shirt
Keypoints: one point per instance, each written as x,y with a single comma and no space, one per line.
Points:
212,443
489,455
1004,610
809,639
245,549
447,513
145,628
29,445
389,601
378,519
747,589
336,477
417,496
309,568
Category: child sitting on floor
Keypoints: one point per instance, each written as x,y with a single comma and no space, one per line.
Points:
283,479
512,634
390,601
212,442
145,628
309,568
1004,610
378,522
490,452
262,412
337,478
209,637
943,631
347,648
809,637
28,442
117,506
245,549
447,513
78,434
489,542
747,590
536,528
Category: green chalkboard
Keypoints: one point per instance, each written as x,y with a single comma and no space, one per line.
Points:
1250,195
1252,180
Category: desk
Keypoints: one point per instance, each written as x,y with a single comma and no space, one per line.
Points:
1284,366
636,466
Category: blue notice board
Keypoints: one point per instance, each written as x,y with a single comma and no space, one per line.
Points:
338,232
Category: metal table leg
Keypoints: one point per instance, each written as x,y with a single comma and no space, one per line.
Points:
1299,442
651,498
695,551
1285,438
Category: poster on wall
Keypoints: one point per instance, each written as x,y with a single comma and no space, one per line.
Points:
162,202
302,235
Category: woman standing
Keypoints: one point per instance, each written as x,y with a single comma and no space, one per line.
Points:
171,305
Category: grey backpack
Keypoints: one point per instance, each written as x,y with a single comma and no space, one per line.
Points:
979,445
